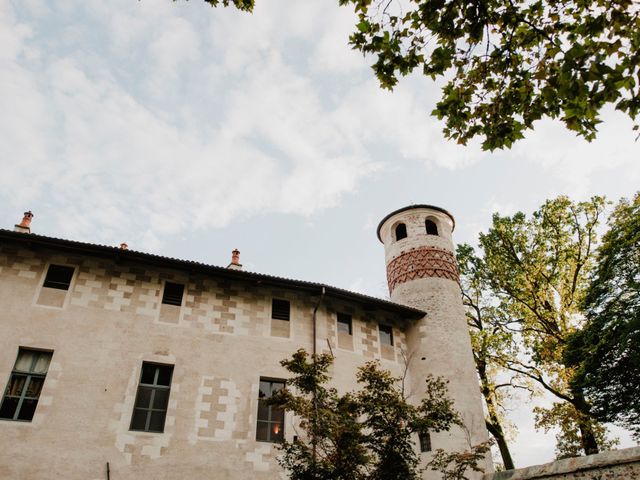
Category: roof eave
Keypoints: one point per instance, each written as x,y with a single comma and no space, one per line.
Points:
313,288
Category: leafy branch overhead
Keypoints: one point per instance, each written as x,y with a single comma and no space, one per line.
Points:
506,63
509,63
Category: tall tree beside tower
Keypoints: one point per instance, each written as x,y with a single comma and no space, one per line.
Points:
536,271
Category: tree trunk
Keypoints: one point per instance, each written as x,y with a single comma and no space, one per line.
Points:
587,437
498,434
493,422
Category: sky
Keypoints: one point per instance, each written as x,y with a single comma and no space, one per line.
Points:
189,131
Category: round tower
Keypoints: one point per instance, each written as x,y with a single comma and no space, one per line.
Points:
422,272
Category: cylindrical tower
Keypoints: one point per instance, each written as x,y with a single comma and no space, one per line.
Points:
422,272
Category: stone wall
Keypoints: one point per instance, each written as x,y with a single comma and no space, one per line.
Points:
613,465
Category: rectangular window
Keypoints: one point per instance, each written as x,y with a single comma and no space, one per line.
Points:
59,277
172,294
270,417
280,309
344,323
386,335
25,384
152,399
425,442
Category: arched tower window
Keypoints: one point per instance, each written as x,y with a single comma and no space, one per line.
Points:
432,228
401,231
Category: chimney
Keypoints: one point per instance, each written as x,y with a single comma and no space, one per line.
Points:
24,225
235,260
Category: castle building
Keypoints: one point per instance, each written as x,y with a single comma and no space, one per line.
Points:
118,364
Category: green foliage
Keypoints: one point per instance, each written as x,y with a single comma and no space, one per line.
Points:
330,421
244,5
454,465
537,272
509,63
363,435
506,63
570,421
492,344
607,350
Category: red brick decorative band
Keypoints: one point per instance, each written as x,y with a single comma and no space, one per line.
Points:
421,263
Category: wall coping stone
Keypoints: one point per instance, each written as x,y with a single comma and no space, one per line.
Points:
570,465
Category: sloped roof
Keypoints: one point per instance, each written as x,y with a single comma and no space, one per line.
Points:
105,251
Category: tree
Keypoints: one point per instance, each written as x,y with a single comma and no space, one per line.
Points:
537,271
491,344
507,63
606,351
362,435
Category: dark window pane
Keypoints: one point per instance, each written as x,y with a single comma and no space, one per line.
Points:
432,228
152,398
160,399
164,374
23,390
8,408
344,323
280,309
265,390
401,231
27,409
148,374
263,410
34,387
262,432
276,432
157,421
386,335
425,442
277,414
16,384
58,277
270,425
139,419
144,397
173,293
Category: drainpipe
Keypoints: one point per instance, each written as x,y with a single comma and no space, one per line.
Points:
315,405
315,310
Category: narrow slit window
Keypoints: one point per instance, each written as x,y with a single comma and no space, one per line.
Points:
425,441
270,427
25,384
401,231
152,399
432,228
386,335
58,277
344,323
280,309
173,293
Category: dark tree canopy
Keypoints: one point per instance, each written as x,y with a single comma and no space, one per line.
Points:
507,63
607,350
369,434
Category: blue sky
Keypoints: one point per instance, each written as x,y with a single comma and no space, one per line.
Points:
189,131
